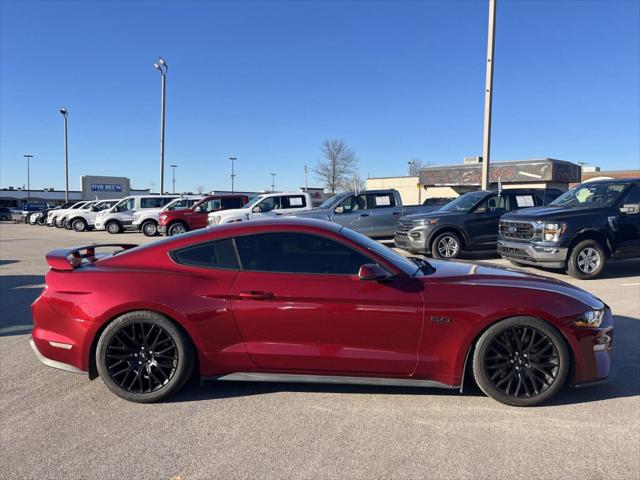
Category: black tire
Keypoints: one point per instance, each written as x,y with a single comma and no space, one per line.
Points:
4,218
504,355
57,222
66,224
446,245
586,260
149,228
130,368
113,227
79,225
177,228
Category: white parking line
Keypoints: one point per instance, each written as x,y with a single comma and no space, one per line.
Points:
630,284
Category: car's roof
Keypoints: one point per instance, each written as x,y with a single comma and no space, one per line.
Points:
611,181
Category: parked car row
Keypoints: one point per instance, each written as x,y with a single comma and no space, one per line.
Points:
578,230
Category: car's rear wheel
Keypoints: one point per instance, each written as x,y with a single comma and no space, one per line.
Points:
113,227
144,357
521,361
79,225
176,229
586,260
150,228
446,245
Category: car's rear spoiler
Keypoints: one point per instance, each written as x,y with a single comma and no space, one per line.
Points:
67,259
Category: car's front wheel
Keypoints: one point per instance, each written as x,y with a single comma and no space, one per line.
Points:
176,229
521,361
144,357
446,245
150,228
586,260
113,227
79,225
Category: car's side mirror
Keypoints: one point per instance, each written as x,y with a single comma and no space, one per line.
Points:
372,271
630,208
339,209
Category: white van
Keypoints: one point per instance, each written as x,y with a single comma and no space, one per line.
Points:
146,221
269,203
120,217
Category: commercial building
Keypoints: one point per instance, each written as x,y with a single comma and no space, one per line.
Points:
449,181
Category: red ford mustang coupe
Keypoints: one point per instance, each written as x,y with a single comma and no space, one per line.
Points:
311,301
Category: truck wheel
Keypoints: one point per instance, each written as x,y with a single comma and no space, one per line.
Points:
79,225
586,260
149,228
113,227
446,245
176,229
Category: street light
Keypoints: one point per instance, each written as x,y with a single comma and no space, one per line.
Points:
411,165
28,157
173,167
273,182
162,67
233,173
65,114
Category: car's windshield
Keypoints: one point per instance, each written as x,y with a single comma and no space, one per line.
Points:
465,202
329,202
404,264
590,195
254,202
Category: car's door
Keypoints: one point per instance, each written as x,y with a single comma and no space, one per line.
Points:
384,214
481,224
197,217
300,306
627,222
352,212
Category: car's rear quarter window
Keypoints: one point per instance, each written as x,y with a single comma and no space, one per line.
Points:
216,254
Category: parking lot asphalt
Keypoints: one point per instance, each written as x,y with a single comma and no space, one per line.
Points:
55,424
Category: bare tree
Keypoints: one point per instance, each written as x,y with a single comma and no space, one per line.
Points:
354,183
338,166
200,188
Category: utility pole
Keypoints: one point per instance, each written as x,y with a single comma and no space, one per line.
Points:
488,95
28,157
411,164
273,182
173,168
306,186
65,114
162,67
233,172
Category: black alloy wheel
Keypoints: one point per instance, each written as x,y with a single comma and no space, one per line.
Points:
521,361
446,245
144,357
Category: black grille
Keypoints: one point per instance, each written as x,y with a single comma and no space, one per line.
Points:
516,230
403,227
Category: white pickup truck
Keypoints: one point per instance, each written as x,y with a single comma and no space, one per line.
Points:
264,206
120,217
146,221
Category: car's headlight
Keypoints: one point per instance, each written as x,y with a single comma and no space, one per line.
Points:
591,318
425,221
551,232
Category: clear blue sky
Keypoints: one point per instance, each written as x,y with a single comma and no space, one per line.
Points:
268,81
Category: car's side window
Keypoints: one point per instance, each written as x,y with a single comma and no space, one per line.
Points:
381,200
269,204
126,206
632,196
216,254
231,202
303,253
524,200
354,203
294,201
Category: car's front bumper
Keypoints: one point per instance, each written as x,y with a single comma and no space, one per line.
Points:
533,254
414,239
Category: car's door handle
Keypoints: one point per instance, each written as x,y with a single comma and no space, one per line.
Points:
253,295
364,214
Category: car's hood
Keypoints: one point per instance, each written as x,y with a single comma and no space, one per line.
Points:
434,214
474,274
551,212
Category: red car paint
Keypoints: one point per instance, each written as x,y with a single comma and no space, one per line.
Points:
311,324
193,218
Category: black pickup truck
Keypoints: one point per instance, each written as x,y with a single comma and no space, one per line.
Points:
470,222
579,231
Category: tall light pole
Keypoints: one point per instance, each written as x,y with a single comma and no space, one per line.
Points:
65,114
411,164
173,168
153,186
273,182
28,157
306,186
233,172
162,67
488,95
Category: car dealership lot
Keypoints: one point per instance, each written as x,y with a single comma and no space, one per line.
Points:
57,424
